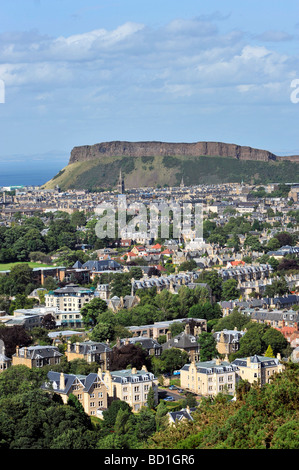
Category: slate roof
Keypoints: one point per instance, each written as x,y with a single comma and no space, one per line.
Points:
182,341
147,343
87,346
101,265
230,336
181,414
210,367
262,360
37,352
127,375
54,380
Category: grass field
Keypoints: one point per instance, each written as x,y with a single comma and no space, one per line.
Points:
8,266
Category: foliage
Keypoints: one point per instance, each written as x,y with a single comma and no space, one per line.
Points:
265,418
207,345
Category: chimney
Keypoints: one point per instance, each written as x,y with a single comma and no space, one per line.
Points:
248,361
100,372
69,346
168,335
77,348
17,351
278,356
187,329
144,368
62,381
134,370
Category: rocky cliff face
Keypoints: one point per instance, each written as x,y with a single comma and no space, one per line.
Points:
140,149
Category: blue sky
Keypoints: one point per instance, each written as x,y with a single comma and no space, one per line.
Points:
81,72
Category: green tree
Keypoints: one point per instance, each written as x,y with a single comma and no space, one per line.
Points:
91,311
207,344
229,290
151,399
269,352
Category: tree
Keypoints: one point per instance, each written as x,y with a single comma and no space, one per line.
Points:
252,341
234,320
128,355
269,352
229,290
214,280
91,311
151,399
102,332
172,359
14,336
278,287
20,275
207,345
275,339
110,414
48,322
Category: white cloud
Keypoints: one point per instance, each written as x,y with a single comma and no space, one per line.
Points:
182,60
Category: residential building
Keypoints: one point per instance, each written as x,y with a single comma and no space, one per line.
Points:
160,328
90,390
185,342
259,369
131,386
69,298
209,378
90,351
5,361
152,346
185,414
228,341
36,356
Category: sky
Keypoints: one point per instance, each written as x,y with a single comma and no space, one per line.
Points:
79,72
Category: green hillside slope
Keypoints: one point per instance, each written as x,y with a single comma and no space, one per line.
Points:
159,171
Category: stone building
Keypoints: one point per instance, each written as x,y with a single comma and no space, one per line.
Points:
36,356
90,351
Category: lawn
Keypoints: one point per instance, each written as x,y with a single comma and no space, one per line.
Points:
8,266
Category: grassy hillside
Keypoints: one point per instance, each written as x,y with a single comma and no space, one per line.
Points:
159,171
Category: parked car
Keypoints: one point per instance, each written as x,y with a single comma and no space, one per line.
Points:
172,387
168,398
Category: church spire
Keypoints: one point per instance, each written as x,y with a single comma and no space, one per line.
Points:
121,184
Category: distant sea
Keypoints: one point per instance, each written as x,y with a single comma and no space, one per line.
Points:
29,172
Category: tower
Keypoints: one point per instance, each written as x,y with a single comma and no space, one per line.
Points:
121,184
